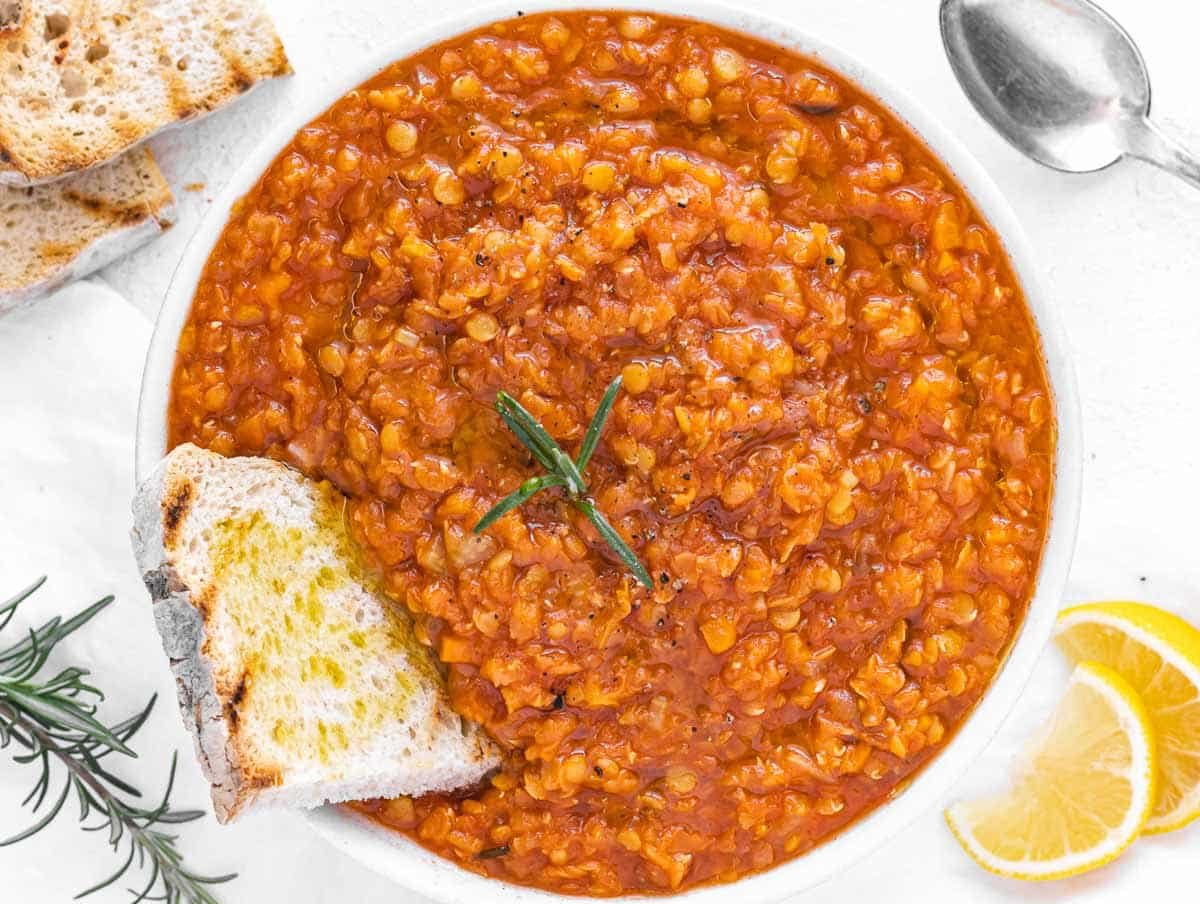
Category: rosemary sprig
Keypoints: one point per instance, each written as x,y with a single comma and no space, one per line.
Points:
53,719
563,472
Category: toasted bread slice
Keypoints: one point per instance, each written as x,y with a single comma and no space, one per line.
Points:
302,685
84,80
50,234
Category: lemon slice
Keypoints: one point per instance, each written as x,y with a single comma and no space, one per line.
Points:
1082,793
1159,654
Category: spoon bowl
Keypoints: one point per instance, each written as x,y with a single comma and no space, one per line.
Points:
1060,80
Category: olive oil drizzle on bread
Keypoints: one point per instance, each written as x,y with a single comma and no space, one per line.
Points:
300,681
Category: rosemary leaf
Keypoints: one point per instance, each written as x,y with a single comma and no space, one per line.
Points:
570,473
41,823
542,440
64,712
610,535
596,427
9,607
523,493
544,457
122,870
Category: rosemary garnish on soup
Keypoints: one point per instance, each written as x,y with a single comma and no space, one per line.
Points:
562,472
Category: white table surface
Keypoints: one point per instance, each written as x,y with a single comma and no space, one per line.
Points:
1120,251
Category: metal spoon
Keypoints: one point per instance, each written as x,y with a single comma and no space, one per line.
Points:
1061,81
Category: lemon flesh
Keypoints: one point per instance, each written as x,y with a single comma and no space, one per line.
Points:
1080,796
1159,654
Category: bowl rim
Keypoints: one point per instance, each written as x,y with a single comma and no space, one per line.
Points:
420,871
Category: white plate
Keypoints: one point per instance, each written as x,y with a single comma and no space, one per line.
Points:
410,865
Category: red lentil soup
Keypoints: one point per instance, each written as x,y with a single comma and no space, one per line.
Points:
833,450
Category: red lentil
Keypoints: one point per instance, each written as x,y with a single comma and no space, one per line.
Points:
834,449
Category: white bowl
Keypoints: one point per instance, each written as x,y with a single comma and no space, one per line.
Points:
420,871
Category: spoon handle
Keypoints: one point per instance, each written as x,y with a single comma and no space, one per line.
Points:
1148,142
